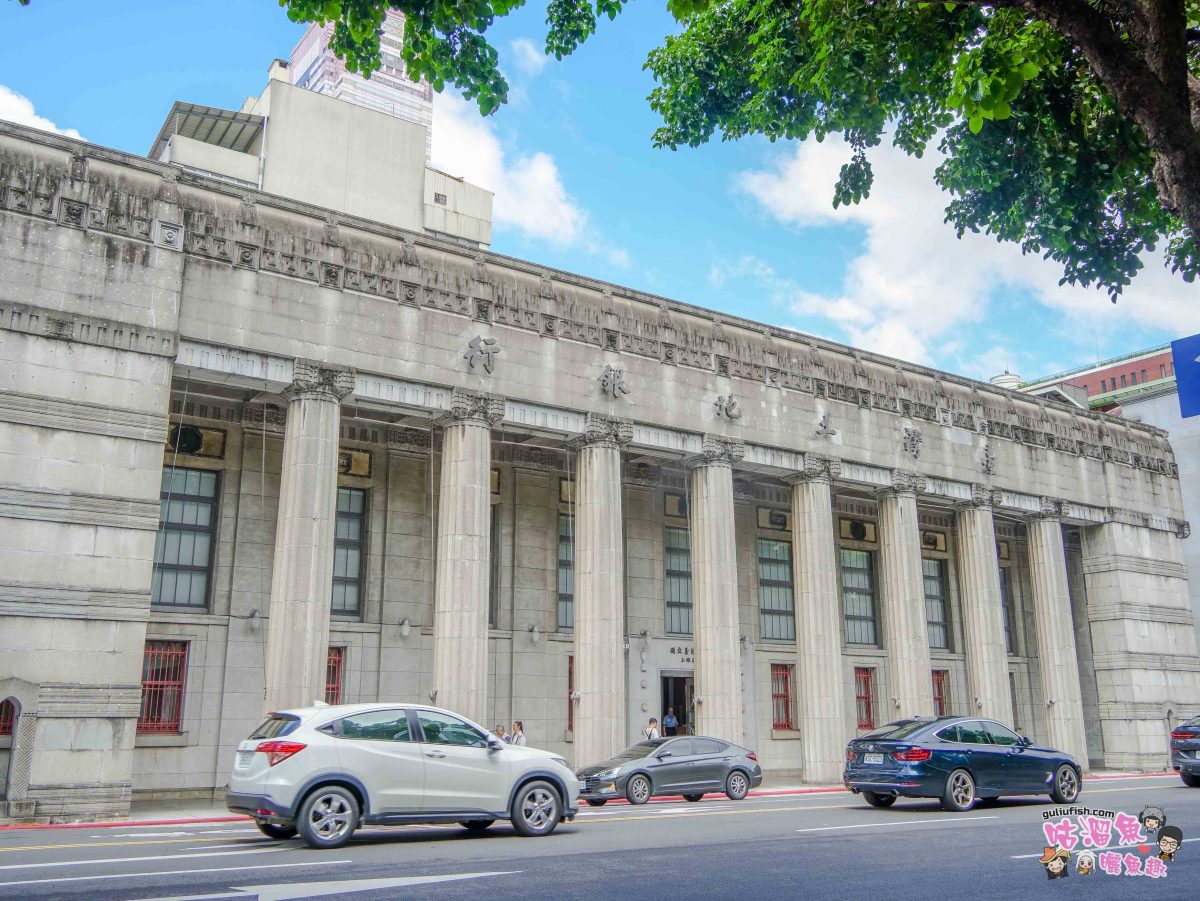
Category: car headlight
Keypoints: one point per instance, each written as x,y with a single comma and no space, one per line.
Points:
561,761
608,774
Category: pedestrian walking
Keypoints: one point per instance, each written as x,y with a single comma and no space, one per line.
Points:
651,730
670,723
500,733
518,734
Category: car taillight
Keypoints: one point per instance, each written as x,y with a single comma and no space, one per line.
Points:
913,755
279,751
850,755
1182,735
750,755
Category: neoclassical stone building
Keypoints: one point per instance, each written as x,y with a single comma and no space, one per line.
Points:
255,453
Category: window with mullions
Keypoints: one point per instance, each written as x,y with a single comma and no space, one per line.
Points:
858,596
936,620
187,525
348,550
566,571
1006,605
494,568
677,564
776,600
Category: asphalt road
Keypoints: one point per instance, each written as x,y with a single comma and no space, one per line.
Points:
814,846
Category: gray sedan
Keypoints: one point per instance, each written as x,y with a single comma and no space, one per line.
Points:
688,766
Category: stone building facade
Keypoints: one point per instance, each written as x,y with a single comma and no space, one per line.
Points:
255,453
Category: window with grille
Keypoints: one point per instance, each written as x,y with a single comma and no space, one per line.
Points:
934,572
333,675
348,550
8,716
494,568
776,600
677,562
940,679
566,571
1006,605
858,596
164,667
864,686
781,696
187,524
570,694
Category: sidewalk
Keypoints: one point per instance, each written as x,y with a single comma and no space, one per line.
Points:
178,813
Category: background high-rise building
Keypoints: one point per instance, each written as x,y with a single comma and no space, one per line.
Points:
389,90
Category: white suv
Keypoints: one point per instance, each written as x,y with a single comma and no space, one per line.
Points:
323,771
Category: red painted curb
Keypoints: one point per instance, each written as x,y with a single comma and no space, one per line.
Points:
1131,775
110,823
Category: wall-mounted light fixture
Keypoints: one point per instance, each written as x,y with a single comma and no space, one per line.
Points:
405,627
533,632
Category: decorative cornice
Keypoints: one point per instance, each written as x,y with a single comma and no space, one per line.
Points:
473,407
718,450
312,380
606,431
817,468
108,333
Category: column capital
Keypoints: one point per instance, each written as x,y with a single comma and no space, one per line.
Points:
817,468
718,450
1049,508
904,482
470,406
605,431
1181,527
319,381
981,497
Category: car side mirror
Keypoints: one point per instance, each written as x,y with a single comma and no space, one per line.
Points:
1025,741
494,744
663,755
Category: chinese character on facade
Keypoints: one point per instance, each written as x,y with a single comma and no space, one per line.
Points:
612,382
482,348
728,407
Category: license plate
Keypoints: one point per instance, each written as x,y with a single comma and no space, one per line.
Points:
873,758
243,759
583,786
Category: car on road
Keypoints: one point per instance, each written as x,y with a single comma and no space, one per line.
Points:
1185,752
324,771
687,765
958,760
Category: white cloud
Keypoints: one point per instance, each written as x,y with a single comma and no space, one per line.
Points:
530,58
530,196
915,282
18,108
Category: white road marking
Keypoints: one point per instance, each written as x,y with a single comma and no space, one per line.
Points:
1108,848
297,890
904,823
255,830
142,834
84,863
263,866
266,842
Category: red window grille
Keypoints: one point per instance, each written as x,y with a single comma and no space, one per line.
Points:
8,713
940,677
570,694
164,667
864,677
781,696
333,675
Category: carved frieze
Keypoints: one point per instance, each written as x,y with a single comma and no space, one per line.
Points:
411,440
261,418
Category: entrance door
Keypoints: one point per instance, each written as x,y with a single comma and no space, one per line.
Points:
677,693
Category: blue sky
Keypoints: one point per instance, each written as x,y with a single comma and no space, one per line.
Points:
743,227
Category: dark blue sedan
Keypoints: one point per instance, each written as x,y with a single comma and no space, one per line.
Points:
957,760
1185,752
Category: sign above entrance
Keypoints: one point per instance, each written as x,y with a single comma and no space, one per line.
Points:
685,655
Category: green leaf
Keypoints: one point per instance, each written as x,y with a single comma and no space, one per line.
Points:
1001,110
975,123
1029,71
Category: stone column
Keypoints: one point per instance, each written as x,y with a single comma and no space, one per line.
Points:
982,609
819,692
905,633
462,580
1057,662
715,627
600,592
297,648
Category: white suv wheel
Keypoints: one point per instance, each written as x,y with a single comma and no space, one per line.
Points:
536,809
328,817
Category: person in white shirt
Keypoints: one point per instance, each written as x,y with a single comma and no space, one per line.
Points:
518,734
651,731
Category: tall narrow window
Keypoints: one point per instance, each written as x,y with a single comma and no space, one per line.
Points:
864,689
677,561
164,668
1144,379
187,523
333,675
1103,385
8,714
494,568
940,679
1162,370
571,694
1133,378
934,572
781,696
858,596
1006,606
776,601
348,550
566,571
